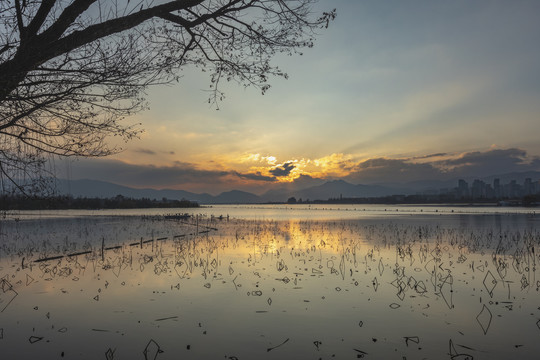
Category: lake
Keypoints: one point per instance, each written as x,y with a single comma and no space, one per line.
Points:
271,282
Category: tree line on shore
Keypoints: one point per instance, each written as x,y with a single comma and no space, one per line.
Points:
21,202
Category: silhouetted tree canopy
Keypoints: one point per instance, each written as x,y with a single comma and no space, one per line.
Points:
70,71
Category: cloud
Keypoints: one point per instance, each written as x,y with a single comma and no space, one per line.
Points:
470,164
180,175
282,170
509,156
144,151
429,156
255,176
147,151
270,160
392,170
176,176
335,164
491,162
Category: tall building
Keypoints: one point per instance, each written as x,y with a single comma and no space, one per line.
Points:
463,189
478,190
528,187
512,190
497,188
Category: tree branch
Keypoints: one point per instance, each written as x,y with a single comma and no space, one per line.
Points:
20,24
70,76
113,26
39,18
68,16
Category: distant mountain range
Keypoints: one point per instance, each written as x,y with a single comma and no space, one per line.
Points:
330,189
103,189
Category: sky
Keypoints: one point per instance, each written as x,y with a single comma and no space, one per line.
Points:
393,91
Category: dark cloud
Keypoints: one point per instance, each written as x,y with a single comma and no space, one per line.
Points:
508,156
467,165
491,162
283,170
144,175
144,151
391,170
151,152
256,176
429,156
180,175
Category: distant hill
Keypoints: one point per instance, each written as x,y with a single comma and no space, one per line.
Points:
236,197
97,188
103,189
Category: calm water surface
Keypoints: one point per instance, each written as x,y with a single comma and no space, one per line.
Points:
271,282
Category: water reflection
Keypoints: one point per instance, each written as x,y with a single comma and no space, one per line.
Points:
143,288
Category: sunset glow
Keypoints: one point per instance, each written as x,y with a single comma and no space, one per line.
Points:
389,94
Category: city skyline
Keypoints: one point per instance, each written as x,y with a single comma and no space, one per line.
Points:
390,92
482,190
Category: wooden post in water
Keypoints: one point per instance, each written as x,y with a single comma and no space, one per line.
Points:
103,249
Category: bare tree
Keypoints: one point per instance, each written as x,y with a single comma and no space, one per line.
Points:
70,71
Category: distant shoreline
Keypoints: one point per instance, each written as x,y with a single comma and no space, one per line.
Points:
9,203
528,201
